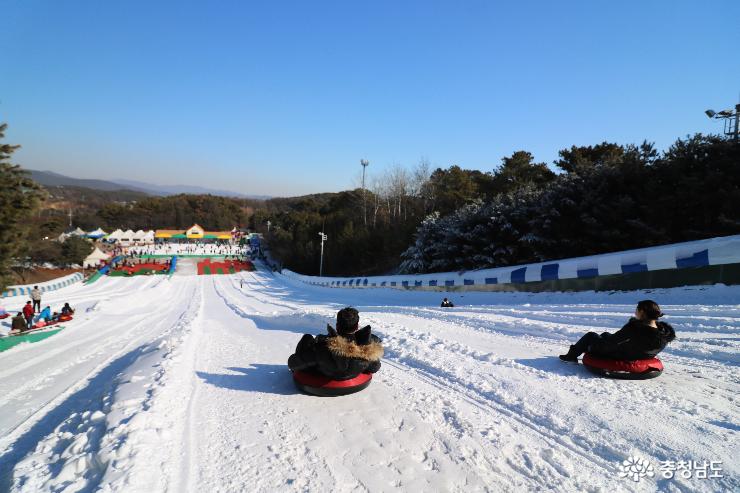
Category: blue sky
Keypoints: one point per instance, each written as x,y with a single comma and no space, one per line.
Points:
285,98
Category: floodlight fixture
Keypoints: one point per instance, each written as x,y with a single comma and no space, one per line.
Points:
731,121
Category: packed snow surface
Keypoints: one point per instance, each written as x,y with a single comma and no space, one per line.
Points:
180,384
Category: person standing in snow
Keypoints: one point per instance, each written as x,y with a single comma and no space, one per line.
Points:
36,297
343,353
28,314
643,337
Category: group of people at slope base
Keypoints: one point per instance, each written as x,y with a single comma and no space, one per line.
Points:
25,319
347,351
198,248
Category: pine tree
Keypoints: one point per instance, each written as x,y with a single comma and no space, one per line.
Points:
19,199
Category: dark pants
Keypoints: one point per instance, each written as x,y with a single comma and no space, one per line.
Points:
37,305
29,322
585,342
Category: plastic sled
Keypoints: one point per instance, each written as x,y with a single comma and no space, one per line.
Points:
322,386
640,369
41,323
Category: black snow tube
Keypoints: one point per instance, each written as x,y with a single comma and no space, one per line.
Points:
640,369
322,386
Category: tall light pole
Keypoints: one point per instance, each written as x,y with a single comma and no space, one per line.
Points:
321,264
364,163
731,118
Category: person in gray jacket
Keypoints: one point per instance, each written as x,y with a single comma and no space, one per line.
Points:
36,298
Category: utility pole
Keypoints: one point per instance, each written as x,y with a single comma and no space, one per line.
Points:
321,264
364,163
70,217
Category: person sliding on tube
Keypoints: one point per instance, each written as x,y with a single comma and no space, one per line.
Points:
45,315
342,354
67,310
447,304
642,338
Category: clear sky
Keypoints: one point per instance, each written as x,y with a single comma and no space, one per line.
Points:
285,98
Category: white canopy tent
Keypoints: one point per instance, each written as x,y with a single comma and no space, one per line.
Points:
128,235
98,233
148,237
139,235
94,259
114,236
77,232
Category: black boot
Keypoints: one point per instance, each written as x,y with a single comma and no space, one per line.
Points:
571,356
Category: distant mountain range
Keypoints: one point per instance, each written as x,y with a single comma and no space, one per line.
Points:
51,179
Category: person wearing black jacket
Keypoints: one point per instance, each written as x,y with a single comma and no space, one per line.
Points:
18,324
341,354
447,304
642,338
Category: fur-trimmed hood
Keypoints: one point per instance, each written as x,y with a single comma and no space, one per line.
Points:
341,346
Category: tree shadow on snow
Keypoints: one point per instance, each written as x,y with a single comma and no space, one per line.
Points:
553,364
266,379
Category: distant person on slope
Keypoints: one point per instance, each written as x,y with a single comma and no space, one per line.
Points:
18,324
28,314
342,354
447,304
642,338
36,297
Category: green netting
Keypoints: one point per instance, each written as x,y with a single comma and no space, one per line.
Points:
10,341
219,270
94,278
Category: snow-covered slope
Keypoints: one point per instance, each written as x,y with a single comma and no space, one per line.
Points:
181,385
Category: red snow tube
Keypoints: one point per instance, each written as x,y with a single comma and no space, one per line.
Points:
4,315
639,369
322,386
42,323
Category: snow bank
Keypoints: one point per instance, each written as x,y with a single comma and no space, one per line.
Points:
714,251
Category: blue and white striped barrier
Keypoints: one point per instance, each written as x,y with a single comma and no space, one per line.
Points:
714,251
43,286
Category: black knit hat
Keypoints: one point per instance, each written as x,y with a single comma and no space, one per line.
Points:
348,320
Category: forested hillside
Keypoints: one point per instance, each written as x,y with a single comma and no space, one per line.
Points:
606,197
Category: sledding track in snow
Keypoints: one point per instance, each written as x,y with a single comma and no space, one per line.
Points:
180,385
